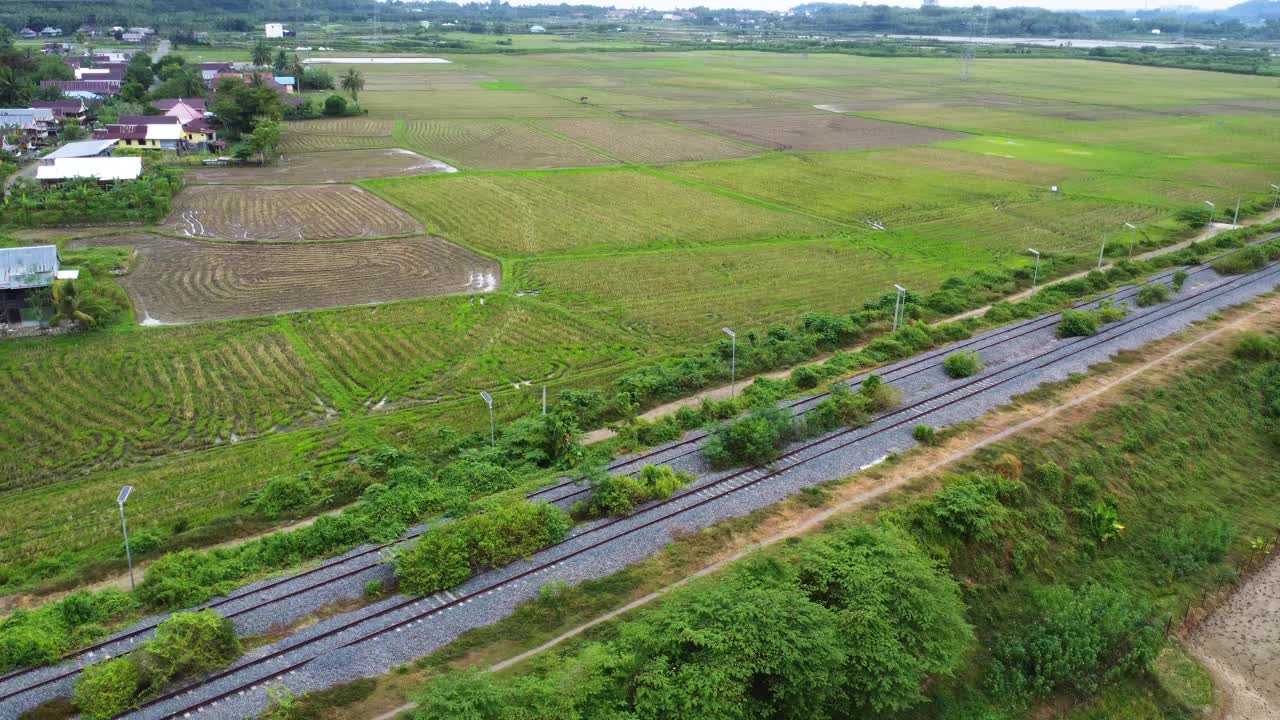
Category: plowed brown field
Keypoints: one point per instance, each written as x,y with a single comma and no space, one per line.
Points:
284,213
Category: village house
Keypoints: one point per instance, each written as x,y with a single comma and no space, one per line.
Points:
80,149
27,33
133,37
31,126
25,272
147,136
49,31
63,109
105,170
98,88
268,78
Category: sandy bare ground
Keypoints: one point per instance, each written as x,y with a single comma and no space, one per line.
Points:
1240,645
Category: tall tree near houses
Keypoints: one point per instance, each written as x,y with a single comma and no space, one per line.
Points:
353,83
261,54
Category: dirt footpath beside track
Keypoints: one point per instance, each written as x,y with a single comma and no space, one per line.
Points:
1240,645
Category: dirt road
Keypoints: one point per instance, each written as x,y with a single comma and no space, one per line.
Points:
1240,645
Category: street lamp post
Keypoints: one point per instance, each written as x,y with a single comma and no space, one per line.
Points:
1276,200
120,500
1235,221
1212,208
1102,250
733,361
488,400
1131,226
899,306
1035,274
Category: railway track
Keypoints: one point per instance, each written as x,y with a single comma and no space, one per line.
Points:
369,558
366,628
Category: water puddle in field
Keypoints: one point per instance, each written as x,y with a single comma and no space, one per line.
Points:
483,282
427,164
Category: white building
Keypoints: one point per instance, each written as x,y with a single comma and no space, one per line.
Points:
275,30
105,169
537,29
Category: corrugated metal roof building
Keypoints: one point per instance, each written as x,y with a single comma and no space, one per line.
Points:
28,267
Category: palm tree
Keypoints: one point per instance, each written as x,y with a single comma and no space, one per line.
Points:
261,54
353,83
13,90
70,304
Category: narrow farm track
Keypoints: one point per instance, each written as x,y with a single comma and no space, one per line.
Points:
370,633
300,591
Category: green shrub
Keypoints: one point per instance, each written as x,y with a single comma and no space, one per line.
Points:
109,688
962,364
188,643
752,440
806,377
1078,323
448,553
618,495
477,475
1078,640
1242,261
1192,543
1179,279
284,495
42,635
925,434
1256,346
1153,294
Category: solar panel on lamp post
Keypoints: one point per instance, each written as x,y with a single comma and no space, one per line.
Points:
120,500
733,361
1035,274
488,400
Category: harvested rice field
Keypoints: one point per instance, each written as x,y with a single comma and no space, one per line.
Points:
183,281
284,213
598,210
340,134
812,130
323,167
494,144
649,142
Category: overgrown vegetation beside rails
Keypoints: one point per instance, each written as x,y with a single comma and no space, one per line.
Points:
451,552
184,645
790,636
619,495
391,490
1070,555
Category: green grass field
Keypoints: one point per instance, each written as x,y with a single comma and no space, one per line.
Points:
599,182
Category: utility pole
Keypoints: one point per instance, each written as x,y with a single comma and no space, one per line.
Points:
733,361
128,554
488,400
899,306
544,399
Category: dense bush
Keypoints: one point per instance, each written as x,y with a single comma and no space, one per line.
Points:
1256,346
1241,261
924,434
184,645
40,636
1179,279
962,364
1192,544
1078,323
450,552
618,495
752,440
1078,639
851,624
1153,294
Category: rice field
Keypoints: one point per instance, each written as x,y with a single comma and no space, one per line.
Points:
740,203
517,214
284,213
686,295
493,144
184,281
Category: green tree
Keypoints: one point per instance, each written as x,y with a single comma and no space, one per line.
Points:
353,83
335,105
265,138
73,304
261,54
281,64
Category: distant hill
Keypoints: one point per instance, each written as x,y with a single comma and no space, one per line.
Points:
1252,10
